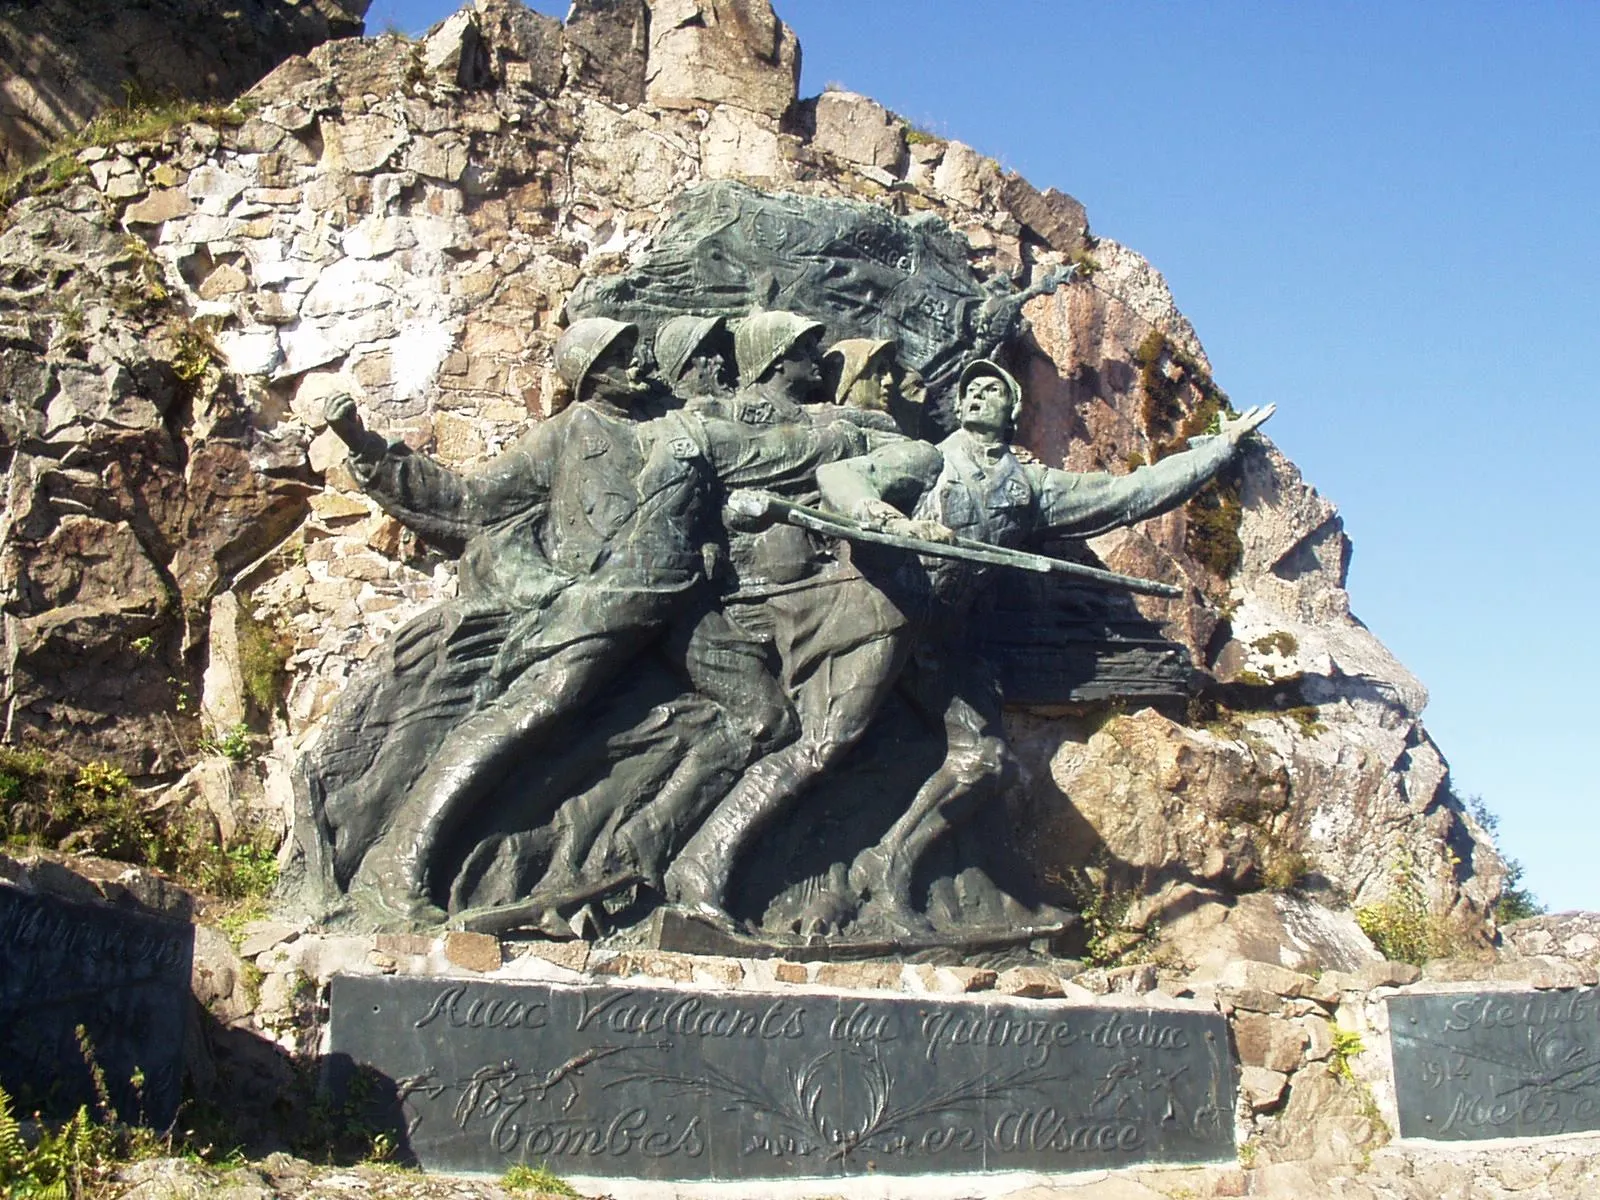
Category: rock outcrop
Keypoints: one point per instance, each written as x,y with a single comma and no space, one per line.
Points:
67,60
403,221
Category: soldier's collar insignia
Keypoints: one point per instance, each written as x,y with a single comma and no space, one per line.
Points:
592,446
756,412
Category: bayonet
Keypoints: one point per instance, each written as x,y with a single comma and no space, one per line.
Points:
758,505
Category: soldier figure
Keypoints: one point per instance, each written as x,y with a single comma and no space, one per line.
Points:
866,373
620,507
973,485
837,635
692,356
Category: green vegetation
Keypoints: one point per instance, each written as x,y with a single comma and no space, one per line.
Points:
147,287
76,1158
71,321
94,809
232,744
68,1160
65,1161
1260,799
245,872
1086,263
341,1128
195,347
91,809
1308,717
541,1180
1103,910
1211,536
1282,643
1165,372
1159,393
1284,870
264,651
1401,926
1263,800
1347,1044
1214,516
1224,709
139,119
192,347
1516,903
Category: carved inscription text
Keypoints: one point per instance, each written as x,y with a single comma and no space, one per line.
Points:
122,976
672,1084
1497,1064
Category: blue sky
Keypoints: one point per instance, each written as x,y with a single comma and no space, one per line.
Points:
1381,217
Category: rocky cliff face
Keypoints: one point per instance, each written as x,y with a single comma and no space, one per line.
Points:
183,547
67,60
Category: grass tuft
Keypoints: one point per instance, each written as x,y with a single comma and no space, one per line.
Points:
139,120
540,1180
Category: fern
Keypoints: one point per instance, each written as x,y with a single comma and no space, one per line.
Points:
12,1151
57,1165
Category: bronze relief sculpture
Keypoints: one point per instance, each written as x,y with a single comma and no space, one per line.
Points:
714,639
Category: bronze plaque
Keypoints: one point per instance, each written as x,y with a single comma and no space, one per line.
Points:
122,977
1496,1064
681,1084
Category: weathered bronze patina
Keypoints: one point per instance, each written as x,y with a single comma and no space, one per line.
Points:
660,1084
717,635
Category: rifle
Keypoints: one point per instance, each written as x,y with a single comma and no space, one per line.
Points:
759,505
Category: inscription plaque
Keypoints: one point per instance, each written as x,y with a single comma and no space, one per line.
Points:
1496,1064
123,976
676,1084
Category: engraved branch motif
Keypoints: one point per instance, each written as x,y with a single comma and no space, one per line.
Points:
713,1080
1554,1062
813,1128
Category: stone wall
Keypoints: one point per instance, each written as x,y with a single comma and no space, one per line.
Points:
402,221
1315,1109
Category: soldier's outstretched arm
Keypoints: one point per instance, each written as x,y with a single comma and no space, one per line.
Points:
879,488
1075,504
770,455
432,499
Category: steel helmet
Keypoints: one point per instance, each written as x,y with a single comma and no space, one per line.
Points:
583,343
679,338
762,339
854,356
987,366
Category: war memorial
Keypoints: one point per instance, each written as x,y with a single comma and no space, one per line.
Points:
753,644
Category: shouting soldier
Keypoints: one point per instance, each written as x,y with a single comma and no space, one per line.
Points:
973,485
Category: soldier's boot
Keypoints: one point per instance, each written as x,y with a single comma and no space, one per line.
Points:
952,793
881,877
699,876
648,839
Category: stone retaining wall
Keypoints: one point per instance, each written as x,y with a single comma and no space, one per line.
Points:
1316,1098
